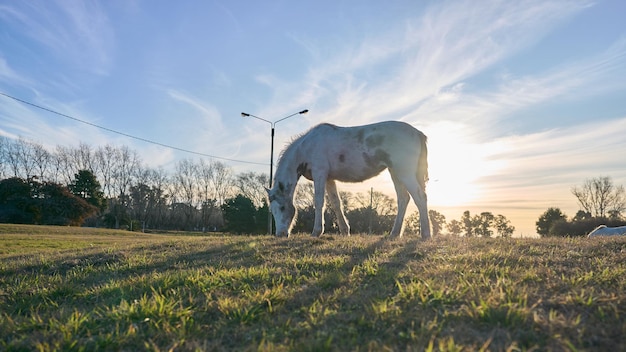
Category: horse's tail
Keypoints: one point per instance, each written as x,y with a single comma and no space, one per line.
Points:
422,163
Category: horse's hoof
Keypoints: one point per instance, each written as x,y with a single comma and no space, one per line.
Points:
282,234
394,236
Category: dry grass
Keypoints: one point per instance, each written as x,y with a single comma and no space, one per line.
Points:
74,289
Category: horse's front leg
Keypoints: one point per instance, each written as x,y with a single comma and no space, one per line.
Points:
319,186
335,203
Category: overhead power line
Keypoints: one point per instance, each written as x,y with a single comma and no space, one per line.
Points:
128,135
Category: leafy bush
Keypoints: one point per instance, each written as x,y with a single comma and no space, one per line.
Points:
564,228
41,203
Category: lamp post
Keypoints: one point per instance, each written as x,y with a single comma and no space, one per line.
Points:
273,124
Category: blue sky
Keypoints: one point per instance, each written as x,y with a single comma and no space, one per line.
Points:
521,100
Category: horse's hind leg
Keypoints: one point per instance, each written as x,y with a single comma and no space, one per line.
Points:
335,204
403,201
420,199
410,184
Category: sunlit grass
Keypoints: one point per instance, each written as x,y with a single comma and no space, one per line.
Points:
72,289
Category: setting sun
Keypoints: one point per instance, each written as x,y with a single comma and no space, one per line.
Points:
453,168
456,166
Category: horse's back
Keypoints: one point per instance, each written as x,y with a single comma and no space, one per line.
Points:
392,137
372,136
353,154
603,230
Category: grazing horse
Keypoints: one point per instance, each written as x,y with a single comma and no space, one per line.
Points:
329,153
602,230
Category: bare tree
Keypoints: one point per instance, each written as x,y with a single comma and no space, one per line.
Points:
10,158
186,182
222,181
185,186
204,175
82,157
64,169
305,195
106,161
68,161
158,180
126,164
380,202
600,197
18,158
252,185
148,200
207,196
42,160
4,144
154,178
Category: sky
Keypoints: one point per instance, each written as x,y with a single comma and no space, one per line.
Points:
521,100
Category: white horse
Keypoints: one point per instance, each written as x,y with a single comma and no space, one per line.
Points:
328,153
602,230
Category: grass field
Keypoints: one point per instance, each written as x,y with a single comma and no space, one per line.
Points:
67,288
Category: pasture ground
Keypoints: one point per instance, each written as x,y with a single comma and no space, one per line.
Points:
93,289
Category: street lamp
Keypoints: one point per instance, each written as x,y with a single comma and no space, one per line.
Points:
273,124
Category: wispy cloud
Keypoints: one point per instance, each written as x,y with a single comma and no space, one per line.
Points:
476,108
569,152
539,169
18,120
7,74
78,33
209,114
48,129
533,168
397,71
205,128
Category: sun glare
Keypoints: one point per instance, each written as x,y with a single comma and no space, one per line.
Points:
456,166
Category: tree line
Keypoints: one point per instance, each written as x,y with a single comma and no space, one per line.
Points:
601,203
110,186
133,195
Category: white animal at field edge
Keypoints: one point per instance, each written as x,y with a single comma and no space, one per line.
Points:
329,153
602,230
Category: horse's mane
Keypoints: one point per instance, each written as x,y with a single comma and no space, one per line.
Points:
289,144
297,138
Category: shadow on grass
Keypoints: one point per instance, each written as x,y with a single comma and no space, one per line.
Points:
303,293
325,287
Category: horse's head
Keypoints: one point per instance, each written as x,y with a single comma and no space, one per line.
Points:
281,206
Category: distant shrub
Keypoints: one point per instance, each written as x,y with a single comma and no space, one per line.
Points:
577,228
